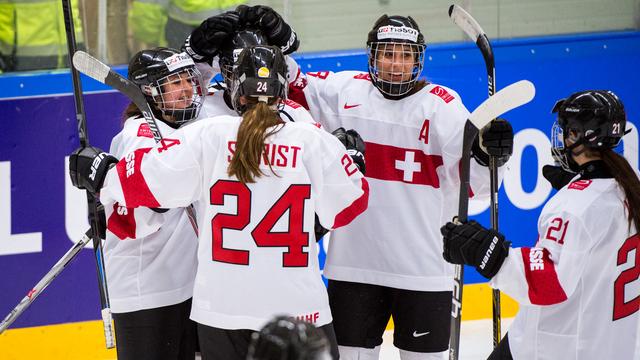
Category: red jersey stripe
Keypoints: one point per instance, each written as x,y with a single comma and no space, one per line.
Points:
122,225
386,162
134,187
356,208
540,272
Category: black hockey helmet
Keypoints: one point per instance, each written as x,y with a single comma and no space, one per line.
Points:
233,46
593,118
158,72
391,35
285,338
260,72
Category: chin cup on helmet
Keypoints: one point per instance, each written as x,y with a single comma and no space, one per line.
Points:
288,339
395,49
594,118
171,83
259,74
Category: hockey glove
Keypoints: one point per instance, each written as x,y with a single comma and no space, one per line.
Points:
471,244
205,41
495,139
557,176
88,166
354,144
277,31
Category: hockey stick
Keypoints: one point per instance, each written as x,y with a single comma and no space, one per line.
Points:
512,96
91,200
99,71
45,281
473,30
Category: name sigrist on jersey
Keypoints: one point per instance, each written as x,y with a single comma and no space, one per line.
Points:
275,155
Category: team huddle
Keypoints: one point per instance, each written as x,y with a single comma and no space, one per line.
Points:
270,159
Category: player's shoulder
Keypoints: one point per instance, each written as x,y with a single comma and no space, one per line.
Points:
294,112
440,94
214,105
584,195
135,134
340,76
214,123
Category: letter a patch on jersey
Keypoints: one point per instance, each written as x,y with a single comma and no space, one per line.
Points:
440,92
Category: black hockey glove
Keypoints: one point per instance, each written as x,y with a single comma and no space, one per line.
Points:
495,139
557,176
472,244
205,41
277,31
88,166
354,144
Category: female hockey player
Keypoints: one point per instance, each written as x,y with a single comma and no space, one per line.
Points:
388,262
150,254
151,278
257,182
576,287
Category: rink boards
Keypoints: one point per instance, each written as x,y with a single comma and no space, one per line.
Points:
41,215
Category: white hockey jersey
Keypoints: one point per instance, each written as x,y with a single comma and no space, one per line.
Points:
150,257
578,288
257,255
413,151
158,269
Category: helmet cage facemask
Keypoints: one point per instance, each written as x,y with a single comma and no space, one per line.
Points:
383,79
175,103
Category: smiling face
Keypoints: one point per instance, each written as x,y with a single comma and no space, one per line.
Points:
395,62
177,91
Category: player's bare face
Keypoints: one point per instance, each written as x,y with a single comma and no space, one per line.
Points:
395,62
177,91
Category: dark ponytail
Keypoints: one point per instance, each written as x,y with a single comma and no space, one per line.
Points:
252,134
626,177
131,110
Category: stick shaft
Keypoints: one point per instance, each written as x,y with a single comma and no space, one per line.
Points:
91,200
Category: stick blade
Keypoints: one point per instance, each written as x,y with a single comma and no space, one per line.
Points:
511,97
465,22
90,66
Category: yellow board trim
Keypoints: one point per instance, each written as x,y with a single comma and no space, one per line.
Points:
85,340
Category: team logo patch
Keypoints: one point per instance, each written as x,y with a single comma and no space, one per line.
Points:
580,184
144,131
263,72
442,93
363,76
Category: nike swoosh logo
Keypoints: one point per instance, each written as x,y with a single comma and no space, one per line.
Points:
416,334
346,106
